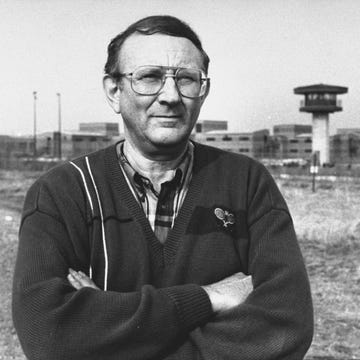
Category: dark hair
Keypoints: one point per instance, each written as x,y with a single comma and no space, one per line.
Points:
163,24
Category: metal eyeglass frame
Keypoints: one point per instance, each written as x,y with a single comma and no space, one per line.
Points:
118,76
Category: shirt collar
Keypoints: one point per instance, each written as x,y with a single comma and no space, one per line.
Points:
139,180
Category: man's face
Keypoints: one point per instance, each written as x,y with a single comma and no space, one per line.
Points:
165,120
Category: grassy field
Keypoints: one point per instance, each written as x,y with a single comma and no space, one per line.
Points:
328,226
327,223
13,186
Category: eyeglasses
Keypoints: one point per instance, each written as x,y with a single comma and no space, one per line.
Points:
149,80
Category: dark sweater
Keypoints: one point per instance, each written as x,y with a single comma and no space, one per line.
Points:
154,307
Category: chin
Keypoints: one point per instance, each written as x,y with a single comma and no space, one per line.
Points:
169,143
168,139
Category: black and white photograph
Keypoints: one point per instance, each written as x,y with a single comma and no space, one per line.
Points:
180,180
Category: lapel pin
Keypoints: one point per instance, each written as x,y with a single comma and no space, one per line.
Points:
226,217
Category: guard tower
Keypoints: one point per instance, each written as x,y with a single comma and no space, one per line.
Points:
320,100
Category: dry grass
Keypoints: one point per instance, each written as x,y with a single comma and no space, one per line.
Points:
13,186
328,226
9,346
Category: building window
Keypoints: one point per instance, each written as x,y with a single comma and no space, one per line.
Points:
22,146
93,139
309,141
244,138
308,150
227,138
244,150
210,139
294,150
294,141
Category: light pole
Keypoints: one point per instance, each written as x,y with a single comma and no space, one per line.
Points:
59,122
35,98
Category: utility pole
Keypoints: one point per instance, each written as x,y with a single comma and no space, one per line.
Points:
59,122
35,98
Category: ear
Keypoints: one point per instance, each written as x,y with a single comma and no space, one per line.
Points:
207,92
112,92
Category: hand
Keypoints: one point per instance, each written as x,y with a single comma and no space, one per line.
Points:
79,280
224,295
229,292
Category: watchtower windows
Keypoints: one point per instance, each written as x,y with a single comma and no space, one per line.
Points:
314,99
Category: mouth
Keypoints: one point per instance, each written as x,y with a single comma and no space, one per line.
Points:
167,116
168,121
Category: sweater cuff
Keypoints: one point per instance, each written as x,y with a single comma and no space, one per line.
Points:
192,304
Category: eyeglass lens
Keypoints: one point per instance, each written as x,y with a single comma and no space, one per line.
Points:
148,80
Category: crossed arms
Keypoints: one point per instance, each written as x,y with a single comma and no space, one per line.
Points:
224,295
222,320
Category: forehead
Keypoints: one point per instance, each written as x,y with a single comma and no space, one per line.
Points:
158,49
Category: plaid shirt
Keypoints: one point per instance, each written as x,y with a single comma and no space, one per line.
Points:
161,208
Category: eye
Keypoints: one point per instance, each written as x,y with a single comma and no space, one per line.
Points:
188,76
148,75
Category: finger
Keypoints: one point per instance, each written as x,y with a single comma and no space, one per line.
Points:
85,280
79,276
78,280
74,282
73,273
82,279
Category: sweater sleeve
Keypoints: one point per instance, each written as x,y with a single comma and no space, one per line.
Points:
276,320
54,321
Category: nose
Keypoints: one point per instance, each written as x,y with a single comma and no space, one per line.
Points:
169,92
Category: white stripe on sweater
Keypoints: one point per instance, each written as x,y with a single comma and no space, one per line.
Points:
102,225
89,199
85,186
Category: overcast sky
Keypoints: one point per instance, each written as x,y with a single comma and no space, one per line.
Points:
260,50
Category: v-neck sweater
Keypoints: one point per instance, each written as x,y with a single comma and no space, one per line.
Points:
160,208
83,215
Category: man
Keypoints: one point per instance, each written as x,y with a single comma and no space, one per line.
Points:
140,250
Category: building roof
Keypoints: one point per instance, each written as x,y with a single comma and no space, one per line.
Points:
200,121
98,123
321,88
348,131
226,132
84,133
290,126
304,135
